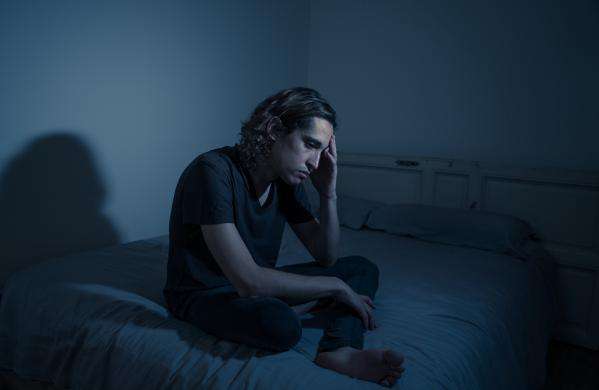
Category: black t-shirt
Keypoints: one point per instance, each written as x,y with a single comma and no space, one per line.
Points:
213,189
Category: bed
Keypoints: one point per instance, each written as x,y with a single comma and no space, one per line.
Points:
465,317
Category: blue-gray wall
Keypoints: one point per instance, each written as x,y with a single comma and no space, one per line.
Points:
103,104
512,82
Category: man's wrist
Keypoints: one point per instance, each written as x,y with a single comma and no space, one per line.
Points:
328,197
339,287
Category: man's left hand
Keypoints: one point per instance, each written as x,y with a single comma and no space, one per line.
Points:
324,178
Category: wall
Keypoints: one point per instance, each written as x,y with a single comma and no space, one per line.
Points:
500,81
103,104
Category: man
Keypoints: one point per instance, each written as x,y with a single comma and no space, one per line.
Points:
227,219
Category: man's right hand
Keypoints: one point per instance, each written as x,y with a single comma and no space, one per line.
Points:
361,304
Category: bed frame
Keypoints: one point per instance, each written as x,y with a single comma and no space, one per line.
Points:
562,205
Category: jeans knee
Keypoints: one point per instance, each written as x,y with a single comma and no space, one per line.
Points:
280,326
363,264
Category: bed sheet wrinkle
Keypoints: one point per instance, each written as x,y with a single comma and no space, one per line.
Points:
179,365
459,319
191,371
69,354
63,360
419,368
132,317
214,358
246,367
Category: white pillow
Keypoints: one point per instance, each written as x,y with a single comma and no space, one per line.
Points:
496,232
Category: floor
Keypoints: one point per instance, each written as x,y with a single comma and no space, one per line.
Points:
571,367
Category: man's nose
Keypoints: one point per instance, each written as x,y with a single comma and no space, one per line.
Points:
313,162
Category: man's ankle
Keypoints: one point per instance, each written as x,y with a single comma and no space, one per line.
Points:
341,351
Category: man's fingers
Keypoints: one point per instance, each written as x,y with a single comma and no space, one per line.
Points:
369,319
367,299
370,325
365,320
331,149
333,146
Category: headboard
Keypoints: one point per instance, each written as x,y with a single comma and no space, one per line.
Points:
562,205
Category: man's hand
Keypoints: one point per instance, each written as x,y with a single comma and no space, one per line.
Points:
324,178
361,304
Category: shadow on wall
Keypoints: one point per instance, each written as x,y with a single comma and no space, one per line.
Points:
51,199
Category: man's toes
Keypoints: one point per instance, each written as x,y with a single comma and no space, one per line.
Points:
387,381
397,368
391,380
394,373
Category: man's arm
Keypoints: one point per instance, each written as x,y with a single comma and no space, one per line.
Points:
321,238
249,279
232,255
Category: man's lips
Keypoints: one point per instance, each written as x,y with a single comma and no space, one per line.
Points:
303,174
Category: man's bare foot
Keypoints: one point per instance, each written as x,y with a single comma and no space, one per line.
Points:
383,366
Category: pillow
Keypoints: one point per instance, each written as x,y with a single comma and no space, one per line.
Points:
496,232
352,211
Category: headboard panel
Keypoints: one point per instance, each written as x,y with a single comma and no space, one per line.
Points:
381,184
562,206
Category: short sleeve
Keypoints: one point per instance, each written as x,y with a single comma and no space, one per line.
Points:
295,204
207,195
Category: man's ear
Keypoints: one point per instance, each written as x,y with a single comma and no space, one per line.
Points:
274,127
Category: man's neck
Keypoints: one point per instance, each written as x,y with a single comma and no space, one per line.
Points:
261,179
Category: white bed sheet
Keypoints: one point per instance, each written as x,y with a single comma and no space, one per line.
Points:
464,319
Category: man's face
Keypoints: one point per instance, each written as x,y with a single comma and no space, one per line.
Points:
296,155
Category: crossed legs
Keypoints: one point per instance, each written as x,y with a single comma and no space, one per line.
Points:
273,324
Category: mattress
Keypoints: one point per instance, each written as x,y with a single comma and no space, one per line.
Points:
464,318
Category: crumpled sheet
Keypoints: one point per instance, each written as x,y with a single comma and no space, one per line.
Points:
463,318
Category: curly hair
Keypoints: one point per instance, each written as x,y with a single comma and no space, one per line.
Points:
289,109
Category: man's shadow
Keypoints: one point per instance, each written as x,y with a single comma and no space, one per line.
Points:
51,199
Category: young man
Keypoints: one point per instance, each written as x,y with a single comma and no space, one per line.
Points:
227,219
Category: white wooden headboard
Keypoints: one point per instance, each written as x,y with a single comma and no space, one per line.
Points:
562,205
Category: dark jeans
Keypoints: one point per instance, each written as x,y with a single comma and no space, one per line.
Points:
270,323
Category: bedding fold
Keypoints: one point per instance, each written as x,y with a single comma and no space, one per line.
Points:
96,320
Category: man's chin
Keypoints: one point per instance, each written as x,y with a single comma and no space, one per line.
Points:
291,179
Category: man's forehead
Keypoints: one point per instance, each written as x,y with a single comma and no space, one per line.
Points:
320,130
